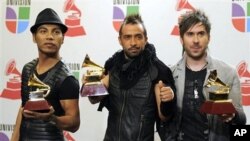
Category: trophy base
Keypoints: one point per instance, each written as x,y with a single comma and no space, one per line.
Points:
38,106
95,89
217,97
214,107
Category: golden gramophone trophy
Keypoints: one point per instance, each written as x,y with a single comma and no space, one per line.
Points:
37,101
92,77
218,102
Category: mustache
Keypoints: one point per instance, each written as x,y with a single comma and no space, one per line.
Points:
134,47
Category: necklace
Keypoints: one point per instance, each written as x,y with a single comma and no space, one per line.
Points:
196,89
196,93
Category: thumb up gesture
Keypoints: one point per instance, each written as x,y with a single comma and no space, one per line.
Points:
166,93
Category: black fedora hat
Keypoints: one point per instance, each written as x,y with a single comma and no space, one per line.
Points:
48,16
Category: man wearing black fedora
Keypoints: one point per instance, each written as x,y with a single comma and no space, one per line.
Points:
62,87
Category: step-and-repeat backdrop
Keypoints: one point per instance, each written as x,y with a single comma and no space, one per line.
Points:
93,26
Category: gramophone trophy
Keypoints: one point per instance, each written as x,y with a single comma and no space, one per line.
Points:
37,100
218,102
92,77
73,19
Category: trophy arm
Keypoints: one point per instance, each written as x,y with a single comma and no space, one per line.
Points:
47,93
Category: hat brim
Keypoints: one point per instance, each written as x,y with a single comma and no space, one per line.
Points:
63,27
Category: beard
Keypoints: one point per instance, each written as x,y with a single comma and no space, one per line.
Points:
133,54
196,56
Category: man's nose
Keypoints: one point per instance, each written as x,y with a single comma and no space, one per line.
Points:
132,41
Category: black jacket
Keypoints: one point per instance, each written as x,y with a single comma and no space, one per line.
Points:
131,101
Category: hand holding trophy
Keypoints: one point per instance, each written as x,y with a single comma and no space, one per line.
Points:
37,100
92,77
218,102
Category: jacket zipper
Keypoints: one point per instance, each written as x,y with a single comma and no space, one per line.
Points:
140,130
120,120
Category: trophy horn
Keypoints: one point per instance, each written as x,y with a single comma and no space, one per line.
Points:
35,82
215,82
88,63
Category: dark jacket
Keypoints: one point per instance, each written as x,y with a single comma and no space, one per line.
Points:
131,101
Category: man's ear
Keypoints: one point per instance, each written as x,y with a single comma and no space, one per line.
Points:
183,49
62,40
119,39
181,40
34,37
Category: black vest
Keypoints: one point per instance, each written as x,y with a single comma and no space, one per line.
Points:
34,130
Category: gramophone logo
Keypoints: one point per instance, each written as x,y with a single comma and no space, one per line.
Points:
13,85
17,15
241,15
244,74
121,8
73,20
182,6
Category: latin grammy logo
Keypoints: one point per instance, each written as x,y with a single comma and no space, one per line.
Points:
73,20
182,5
13,89
244,75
